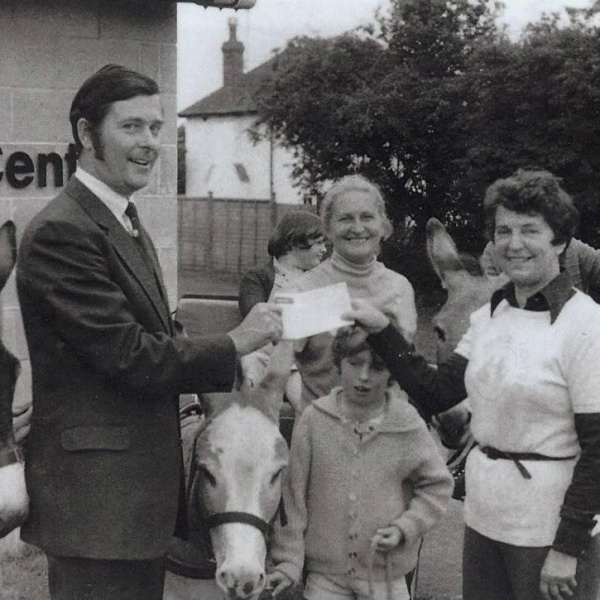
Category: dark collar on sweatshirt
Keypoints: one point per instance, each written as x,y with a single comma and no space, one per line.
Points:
553,297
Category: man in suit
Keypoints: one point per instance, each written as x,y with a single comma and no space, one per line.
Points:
104,466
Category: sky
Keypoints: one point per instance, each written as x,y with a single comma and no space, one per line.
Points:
270,23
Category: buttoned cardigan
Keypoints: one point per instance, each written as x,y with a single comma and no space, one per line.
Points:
345,481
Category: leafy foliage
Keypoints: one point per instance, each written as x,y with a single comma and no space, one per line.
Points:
434,102
537,103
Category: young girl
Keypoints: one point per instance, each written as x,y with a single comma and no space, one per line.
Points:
364,483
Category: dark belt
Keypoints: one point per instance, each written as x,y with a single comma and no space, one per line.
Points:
517,457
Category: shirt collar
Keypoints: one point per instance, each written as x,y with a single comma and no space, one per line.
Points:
552,297
113,201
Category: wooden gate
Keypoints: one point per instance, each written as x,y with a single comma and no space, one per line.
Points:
226,235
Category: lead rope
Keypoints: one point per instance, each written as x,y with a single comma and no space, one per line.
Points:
388,570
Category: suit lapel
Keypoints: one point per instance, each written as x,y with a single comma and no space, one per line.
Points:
126,247
155,265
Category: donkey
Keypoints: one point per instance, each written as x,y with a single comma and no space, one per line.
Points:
468,287
13,495
234,465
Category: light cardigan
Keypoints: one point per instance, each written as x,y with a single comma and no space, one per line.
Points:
339,489
387,290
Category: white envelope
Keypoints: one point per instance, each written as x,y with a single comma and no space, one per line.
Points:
308,313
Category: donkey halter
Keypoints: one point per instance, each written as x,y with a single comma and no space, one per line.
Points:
238,517
210,521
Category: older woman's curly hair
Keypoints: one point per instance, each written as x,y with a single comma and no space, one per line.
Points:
530,191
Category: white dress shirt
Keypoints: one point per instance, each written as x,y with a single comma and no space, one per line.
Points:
113,201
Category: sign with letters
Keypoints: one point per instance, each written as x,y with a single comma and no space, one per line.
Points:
21,170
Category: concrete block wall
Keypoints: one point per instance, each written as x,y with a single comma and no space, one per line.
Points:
48,48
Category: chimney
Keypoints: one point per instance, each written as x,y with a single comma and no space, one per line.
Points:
233,56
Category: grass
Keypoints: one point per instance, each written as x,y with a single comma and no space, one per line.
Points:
23,577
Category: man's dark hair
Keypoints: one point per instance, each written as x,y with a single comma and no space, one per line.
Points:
92,102
529,192
350,341
297,228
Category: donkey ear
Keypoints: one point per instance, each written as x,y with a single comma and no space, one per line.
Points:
8,251
441,249
268,394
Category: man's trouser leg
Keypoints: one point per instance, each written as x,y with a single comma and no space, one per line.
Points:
90,579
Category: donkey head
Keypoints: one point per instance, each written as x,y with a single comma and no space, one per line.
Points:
468,288
239,459
467,285
9,365
13,495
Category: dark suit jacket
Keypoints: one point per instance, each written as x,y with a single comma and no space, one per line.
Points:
255,286
103,466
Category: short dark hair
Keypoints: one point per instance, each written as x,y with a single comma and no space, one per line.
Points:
350,341
529,191
297,228
111,83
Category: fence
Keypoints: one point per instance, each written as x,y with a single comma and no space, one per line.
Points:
226,235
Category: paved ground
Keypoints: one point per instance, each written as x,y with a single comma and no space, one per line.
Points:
440,572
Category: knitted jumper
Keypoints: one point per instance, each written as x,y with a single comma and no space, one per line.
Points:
385,289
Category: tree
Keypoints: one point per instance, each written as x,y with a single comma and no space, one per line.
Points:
537,102
434,102
381,102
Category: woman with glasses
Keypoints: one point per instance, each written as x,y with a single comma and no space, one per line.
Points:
296,245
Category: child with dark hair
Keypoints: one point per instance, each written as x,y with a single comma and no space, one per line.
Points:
365,482
296,245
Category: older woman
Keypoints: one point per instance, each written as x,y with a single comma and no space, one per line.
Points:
530,363
355,222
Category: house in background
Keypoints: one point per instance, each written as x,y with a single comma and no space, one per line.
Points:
222,159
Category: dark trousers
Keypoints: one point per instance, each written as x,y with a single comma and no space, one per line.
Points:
90,579
496,571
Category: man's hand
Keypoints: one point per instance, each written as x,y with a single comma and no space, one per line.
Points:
14,502
261,326
278,582
363,313
557,581
387,538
